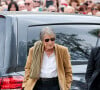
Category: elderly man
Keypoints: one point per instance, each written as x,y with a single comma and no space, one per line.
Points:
29,5
48,66
21,5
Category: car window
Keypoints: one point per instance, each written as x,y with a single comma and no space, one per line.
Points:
2,41
78,38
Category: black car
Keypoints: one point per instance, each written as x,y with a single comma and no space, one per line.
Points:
19,31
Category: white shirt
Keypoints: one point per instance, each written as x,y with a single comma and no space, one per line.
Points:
49,67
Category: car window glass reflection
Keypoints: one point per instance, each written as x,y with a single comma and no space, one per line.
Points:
78,38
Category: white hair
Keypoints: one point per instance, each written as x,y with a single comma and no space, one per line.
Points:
48,31
21,2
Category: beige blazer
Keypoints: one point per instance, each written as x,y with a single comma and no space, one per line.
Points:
64,69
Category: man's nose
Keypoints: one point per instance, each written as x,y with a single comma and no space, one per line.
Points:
49,41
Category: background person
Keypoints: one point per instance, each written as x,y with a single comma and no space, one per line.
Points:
13,6
29,5
93,70
21,5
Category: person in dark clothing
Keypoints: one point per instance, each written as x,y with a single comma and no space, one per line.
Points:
93,70
47,3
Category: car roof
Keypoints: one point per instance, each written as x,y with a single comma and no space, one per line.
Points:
30,12
53,17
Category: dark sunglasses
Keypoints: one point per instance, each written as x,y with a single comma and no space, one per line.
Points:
27,4
37,1
52,39
89,1
94,9
89,8
52,11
